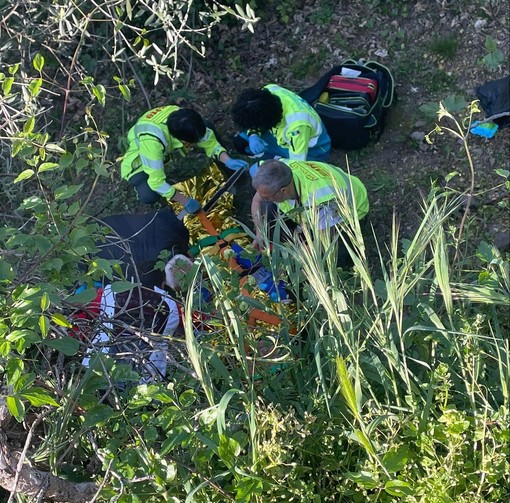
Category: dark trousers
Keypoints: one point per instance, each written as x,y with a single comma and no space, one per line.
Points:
145,194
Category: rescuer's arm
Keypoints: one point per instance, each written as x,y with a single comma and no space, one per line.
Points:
257,217
299,139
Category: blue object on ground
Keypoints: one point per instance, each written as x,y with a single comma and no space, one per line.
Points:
487,129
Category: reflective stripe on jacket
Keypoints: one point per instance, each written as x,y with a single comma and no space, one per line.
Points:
299,119
150,143
319,183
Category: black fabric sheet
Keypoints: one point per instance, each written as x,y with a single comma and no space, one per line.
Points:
494,98
137,240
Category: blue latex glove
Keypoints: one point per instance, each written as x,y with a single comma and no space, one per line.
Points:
235,164
257,144
253,169
192,206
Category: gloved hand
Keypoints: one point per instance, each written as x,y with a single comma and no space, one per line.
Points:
254,168
192,206
235,164
257,144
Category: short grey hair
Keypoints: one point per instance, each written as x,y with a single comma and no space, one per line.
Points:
272,174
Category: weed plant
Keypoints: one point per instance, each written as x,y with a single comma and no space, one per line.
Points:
446,47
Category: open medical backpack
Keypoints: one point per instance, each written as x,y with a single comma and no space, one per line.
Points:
352,99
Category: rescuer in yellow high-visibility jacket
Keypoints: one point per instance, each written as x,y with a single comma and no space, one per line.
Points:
278,123
300,186
154,136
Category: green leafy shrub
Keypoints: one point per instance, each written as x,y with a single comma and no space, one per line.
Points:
494,57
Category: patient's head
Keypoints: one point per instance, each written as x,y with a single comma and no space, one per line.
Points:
176,270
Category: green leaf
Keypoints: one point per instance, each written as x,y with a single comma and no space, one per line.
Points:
6,271
346,386
228,450
503,172
396,459
485,252
363,479
53,147
35,87
490,44
28,127
45,301
98,415
126,92
123,286
222,409
455,103
44,325
5,348
66,160
99,92
38,397
67,191
248,487
7,85
48,166
362,439
66,345
493,59
187,398
398,488
16,408
101,168
14,368
24,175
13,69
42,243
54,264
61,320
451,175
38,62
174,439
24,382
429,109
83,297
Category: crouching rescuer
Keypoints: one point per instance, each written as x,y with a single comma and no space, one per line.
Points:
299,187
157,134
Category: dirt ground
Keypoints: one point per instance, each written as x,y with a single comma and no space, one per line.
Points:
434,50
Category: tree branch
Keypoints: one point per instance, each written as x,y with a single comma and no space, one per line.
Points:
27,480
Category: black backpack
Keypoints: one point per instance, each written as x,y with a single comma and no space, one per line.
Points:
352,99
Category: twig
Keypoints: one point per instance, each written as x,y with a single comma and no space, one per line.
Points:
24,453
495,116
103,483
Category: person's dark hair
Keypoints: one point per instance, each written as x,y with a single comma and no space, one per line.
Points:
257,109
186,125
272,174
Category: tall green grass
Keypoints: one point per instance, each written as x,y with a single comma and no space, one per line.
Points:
397,379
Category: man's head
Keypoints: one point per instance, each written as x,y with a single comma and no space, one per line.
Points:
257,109
186,125
273,181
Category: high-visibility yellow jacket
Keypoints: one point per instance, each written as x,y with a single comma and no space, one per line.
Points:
150,143
320,183
300,126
